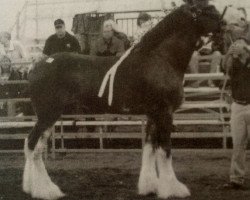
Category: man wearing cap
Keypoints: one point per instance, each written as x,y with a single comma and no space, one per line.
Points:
237,63
61,41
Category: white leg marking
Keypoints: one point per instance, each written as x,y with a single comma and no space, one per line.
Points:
168,185
27,169
148,177
36,180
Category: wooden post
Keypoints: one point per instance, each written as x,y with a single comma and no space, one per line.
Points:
225,131
53,149
11,108
101,137
18,26
143,131
62,135
46,150
36,19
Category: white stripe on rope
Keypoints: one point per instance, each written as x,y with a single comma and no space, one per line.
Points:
110,76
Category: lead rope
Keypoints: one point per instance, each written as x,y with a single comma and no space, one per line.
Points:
110,76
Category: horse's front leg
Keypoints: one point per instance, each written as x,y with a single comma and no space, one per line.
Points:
36,180
148,179
168,184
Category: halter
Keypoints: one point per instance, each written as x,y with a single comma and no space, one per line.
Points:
196,13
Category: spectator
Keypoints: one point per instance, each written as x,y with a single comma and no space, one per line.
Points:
8,73
61,41
236,29
108,44
237,63
209,48
120,35
14,50
167,6
144,23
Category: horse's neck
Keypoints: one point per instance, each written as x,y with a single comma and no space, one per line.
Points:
167,26
179,48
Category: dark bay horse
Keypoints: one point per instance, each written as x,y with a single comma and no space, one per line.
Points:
149,81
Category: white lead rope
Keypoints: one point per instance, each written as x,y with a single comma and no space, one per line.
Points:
110,76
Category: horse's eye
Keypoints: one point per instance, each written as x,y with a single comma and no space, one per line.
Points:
235,24
199,11
242,19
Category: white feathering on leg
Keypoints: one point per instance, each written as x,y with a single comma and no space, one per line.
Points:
168,185
36,180
148,177
27,169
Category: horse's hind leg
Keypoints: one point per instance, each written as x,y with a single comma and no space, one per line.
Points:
168,184
36,180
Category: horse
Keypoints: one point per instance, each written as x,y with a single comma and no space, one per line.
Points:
148,81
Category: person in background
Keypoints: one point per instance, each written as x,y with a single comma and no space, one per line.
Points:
209,47
120,35
237,64
108,44
237,28
167,6
144,23
6,71
61,41
14,50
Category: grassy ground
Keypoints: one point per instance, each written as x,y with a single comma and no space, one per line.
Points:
114,176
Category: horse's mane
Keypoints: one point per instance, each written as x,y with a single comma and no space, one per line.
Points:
164,28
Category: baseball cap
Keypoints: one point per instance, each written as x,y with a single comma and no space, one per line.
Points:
58,22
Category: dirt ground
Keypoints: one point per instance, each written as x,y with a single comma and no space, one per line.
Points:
113,176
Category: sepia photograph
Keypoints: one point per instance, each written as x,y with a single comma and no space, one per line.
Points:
124,100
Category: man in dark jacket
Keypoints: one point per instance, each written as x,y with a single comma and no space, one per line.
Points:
61,41
237,63
108,44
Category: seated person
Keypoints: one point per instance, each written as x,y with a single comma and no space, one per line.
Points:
14,50
208,48
120,35
108,44
144,23
6,71
7,91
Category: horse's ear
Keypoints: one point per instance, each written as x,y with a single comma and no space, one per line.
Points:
199,3
190,2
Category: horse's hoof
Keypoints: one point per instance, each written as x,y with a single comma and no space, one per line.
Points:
49,192
173,189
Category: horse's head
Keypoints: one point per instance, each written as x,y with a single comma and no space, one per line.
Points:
207,18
